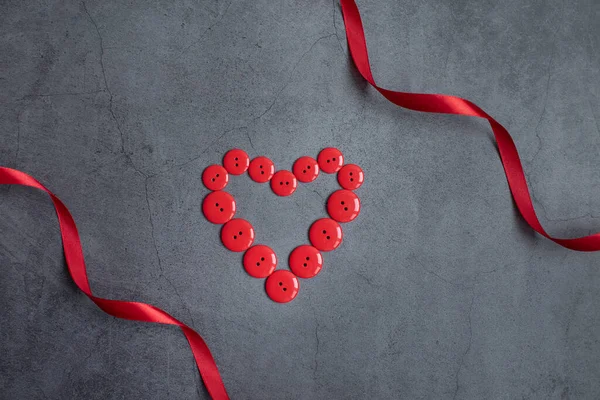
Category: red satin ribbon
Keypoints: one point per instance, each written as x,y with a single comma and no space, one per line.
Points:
444,104
121,309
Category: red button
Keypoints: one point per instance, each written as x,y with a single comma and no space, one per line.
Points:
218,207
260,261
237,234
236,161
261,169
325,234
343,206
306,261
284,183
330,160
282,286
306,169
351,176
215,177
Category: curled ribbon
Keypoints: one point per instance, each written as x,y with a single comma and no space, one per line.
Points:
444,104
121,309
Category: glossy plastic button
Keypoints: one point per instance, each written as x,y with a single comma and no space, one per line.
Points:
284,183
236,161
261,169
218,207
343,206
330,160
237,234
215,177
306,169
325,234
260,261
282,286
306,261
350,177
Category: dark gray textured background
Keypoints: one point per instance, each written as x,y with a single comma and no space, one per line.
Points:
439,290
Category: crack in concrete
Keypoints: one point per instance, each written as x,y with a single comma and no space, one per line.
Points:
289,80
446,61
194,158
195,42
470,324
537,133
572,312
18,139
7,251
588,215
464,356
335,27
460,285
40,293
318,194
318,343
110,101
545,213
158,258
594,115
368,279
250,139
28,96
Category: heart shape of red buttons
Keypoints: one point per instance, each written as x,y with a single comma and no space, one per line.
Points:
325,234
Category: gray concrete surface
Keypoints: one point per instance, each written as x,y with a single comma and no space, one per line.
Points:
439,290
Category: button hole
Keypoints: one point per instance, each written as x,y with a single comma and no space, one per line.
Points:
221,210
261,166
262,172
287,183
217,175
351,180
350,173
284,289
328,161
304,171
280,283
328,237
236,159
345,208
234,237
213,179
333,159
305,264
262,259
342,203
281,183
258,264
308,167
307,258
240,233
236,164
217,204
324,231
